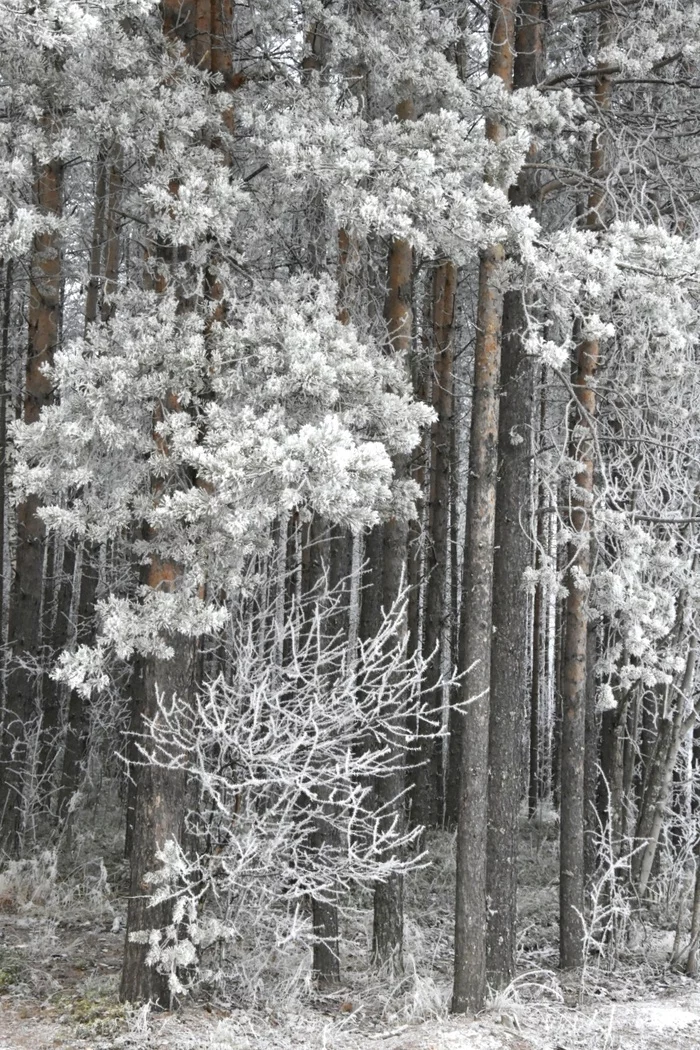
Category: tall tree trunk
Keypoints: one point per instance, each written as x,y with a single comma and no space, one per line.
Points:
387,930
24,634
470,905
160,794
428,802
575,669
540,628
4,395
509,651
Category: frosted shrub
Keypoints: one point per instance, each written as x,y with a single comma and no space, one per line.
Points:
282,756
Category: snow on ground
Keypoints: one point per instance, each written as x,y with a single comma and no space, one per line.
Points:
669,1022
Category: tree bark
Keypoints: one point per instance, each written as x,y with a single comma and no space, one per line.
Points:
509,650
590,765
470,906
575,668
158,819
428,797
387,929
24,634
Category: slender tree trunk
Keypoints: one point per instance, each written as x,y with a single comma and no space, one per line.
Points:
509,649
631,750
559,648
137,705
428,790
590,770
387,930
4,395
575,669
471,905
539,656
24,635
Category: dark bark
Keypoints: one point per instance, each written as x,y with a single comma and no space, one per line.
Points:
629,761
590,772
509,649
387,929
575,667
539,656
24,633
137,706
428,805
456,712
4,395
509,646
470,905
158,819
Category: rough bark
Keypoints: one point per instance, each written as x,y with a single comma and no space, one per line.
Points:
470,906
590,765
158,819
428,802
51,690
24,634
387,929
4,394
454,716
509,651
575,664
539,657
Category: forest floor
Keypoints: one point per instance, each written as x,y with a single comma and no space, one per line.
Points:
61,946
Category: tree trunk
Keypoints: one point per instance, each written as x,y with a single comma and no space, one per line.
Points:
539,657
590,771
4,395
158,819
509,644
387,930
575,668
24,634
428,799
470,905
51,690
